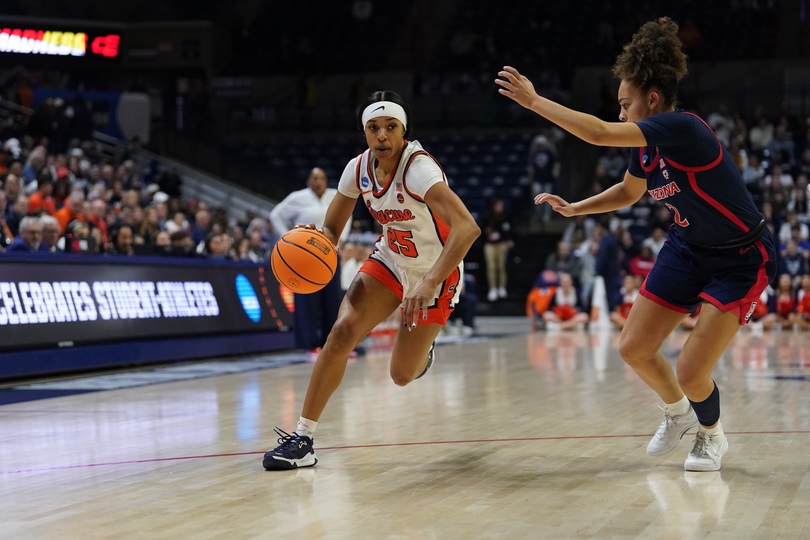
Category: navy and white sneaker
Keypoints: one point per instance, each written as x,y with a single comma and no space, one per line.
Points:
293,451
431,356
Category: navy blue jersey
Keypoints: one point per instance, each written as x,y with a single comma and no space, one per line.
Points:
689,170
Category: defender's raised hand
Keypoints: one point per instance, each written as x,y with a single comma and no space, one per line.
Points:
516,86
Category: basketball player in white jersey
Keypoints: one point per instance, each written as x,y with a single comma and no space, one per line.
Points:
416,266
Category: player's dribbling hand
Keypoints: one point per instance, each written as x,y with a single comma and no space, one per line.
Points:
314,227
558,204
516,86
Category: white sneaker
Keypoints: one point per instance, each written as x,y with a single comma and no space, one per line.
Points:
707,453
501,292
492,295
671,431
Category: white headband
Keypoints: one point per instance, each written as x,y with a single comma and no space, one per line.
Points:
389,109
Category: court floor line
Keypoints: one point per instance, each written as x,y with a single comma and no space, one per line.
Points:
379,445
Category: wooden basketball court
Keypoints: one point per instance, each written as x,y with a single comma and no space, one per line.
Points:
523,436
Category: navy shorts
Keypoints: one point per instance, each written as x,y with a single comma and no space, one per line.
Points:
732,279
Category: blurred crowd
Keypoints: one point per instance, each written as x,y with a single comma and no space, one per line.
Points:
69,196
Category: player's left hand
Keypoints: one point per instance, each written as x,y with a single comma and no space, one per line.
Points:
416,305
558,204
516,86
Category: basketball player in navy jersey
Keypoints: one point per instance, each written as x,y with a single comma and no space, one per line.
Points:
719,253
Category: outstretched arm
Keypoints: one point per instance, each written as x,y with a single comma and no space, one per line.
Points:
620,195
585,126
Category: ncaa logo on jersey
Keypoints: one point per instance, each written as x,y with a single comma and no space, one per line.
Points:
365,182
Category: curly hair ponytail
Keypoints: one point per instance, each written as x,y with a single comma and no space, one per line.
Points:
654,58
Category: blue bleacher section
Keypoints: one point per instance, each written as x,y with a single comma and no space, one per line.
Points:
479,167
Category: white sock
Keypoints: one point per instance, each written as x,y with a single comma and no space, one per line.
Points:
679,407
306,427
711,431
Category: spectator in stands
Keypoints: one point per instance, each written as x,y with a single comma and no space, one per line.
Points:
563,260
179,223
761,135
782,310
202,226
35,163
97,219
608,262
738,153
642,264
218,246
803,167
150,225
163,240
578,230
802,316
11,186
243,249
722,123
16,213
122,238
539,298
614,163
182,243
628,249
314,313
565,310
257,248
782,148
628,293
792,262
754,176
544,169
777,195
497,234
77,239
798,199
41,199
6,236
50,232
29,239
656,240
72,210
791,221
779,175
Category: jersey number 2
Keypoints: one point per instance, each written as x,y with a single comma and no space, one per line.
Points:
678,219
402,242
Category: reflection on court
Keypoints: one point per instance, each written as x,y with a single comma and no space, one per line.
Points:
532,435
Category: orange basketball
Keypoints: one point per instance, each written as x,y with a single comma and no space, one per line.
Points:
304,260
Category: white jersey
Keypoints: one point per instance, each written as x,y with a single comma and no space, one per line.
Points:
413,236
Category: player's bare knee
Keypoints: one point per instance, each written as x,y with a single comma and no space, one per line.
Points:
341,337
633,350
400,378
